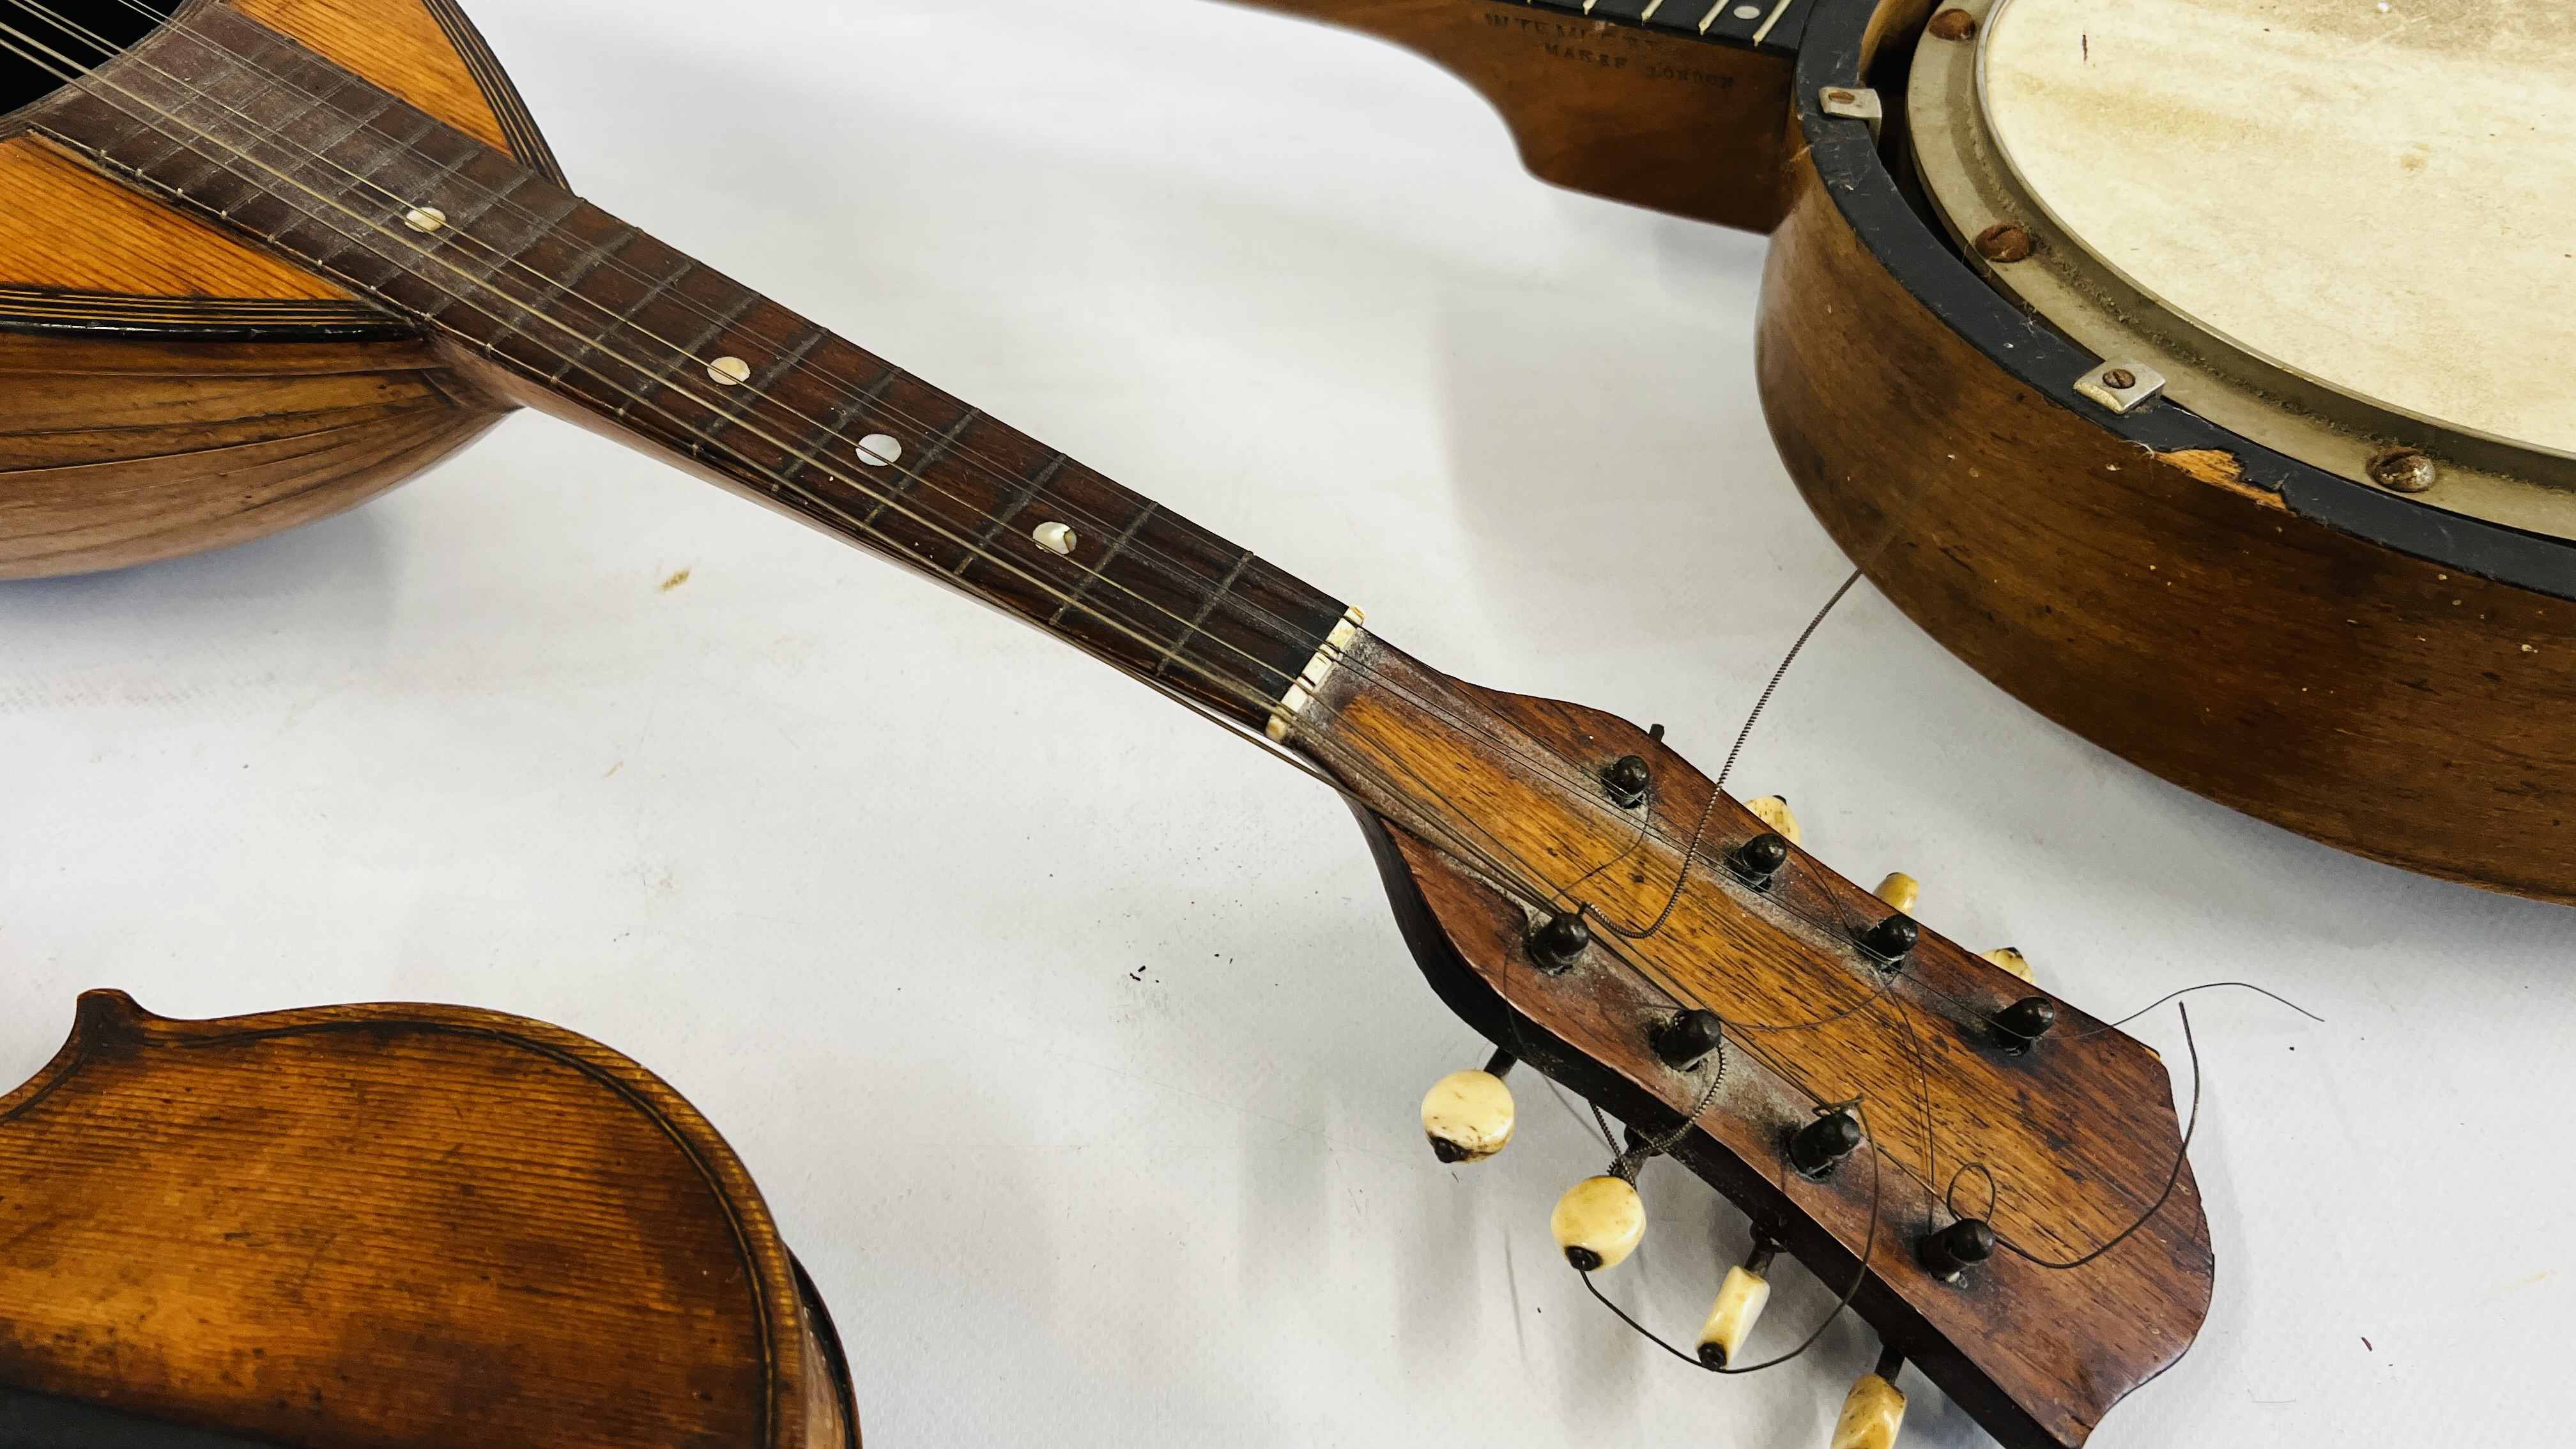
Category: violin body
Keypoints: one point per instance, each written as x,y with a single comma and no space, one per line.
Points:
166,389
394,1225
2221,592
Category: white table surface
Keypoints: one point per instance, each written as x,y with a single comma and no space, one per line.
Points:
1072,1041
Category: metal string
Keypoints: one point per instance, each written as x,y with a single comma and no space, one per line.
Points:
974,549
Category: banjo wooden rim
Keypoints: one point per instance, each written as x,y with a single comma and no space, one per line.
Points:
1837,48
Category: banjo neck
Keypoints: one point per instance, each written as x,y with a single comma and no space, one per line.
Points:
558,304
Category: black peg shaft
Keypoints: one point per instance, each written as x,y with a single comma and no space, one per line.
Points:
2024,1022
1956,1248
1820,1146
1685,1037
1625,780
1757,860
1893,939
1559,942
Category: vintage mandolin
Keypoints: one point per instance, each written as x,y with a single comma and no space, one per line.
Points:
268,257
2190,368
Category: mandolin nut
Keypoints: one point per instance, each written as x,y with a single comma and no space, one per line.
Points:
1599,1222
1468,1116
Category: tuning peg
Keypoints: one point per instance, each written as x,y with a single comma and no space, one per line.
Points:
1682,1039
1558,942
1740,1301
1956,1248
1874,1409
1468,1115
2025,1021
1773,810
1820,1146
2010,959
1757,860
1900,890
1599,1222
1892,939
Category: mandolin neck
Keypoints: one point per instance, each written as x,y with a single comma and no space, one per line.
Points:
567,307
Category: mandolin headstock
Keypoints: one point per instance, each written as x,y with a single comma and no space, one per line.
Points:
1997,1177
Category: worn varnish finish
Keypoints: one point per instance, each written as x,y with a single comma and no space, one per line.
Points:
1681,126
394,1226
127,435
123,451
2077,1150
2376,702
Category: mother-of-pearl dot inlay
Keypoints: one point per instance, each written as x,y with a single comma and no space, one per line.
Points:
878,449
1053,537
424,218
729,371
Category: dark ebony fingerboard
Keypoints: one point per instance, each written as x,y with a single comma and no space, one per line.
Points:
240,125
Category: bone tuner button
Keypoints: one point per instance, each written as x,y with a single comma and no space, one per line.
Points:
1900,890
2010,959
1054,537
1773,810
1599,1222
1467,1116
1740,1301
1872,1413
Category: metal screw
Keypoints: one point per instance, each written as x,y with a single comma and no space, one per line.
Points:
2119,379
1952,24
2003,242
2402,470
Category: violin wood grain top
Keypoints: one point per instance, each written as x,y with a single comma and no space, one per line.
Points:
394,1226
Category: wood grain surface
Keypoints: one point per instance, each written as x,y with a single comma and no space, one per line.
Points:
2078,1136
2187,622
399,1225
1689,127
118,452
67,228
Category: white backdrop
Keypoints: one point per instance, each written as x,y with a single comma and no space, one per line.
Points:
1071,1041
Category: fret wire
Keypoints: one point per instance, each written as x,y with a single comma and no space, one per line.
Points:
666,282
1169,653
1251,612
1016,505
1264,621
597,344
1112,552
1223,585
928,459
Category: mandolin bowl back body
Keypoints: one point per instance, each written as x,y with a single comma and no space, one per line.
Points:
166,388
121,451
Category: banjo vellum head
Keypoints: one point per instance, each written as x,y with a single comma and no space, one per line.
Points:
2373,197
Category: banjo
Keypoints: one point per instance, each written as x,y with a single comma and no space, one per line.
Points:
269,257
2191,370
